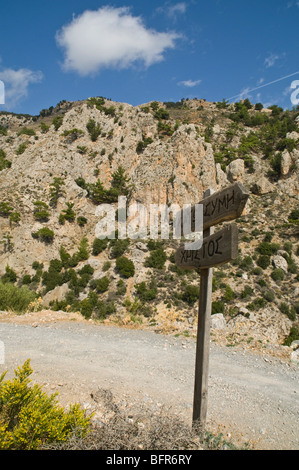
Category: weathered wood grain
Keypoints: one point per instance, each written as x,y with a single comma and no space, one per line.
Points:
227,204
217,249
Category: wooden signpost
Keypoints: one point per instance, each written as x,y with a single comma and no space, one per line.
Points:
217,248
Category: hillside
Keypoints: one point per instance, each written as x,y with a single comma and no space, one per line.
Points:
56,168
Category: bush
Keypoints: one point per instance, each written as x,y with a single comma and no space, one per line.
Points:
190,294
44,234
125,267
294,215
15,298
40,211
94,129
293,336
218,306
266,248
67,214
118,247
278,274
56,191
156,259
9,276
26,131
144,293
21,148
102,284
57,122
5,209
29,418
263,261
99,245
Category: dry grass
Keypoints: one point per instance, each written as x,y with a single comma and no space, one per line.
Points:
123,427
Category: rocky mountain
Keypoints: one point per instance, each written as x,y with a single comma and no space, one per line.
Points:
56,168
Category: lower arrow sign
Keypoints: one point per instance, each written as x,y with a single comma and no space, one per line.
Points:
219,248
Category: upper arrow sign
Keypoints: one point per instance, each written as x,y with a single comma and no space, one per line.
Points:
224,205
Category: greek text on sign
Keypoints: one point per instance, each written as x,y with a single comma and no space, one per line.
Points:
224,205
219,248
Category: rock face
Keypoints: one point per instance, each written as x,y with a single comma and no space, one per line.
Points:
176,169
169,155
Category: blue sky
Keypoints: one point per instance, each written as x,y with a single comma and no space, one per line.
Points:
136,51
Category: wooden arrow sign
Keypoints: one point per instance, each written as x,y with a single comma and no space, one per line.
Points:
219,248
224,205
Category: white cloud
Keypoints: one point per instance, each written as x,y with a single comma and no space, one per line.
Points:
270,60
178,8
190,83
110,38
16,84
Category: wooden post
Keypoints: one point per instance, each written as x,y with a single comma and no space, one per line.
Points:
217,248
200,400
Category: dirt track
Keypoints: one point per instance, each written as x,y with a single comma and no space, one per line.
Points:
251,397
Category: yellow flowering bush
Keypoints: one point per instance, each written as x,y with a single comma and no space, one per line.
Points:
30,418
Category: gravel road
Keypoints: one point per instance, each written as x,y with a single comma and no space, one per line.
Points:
252,398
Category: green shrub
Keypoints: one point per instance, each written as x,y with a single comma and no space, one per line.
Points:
40,211
277,274
247,291
3,162
218,306
102,284
293,336
15,298
125,267
228,294
44,234
121,287
294,215
9,276
26,131
119,247
94,129
67,214
269,295
21,148
56,190
257,303
145,293
106,266
190,294
57,122
83,250
29,418
266,248
263,261
5,209
156,259
99,245
81,221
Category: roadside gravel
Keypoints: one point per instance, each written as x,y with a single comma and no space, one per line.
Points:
252,398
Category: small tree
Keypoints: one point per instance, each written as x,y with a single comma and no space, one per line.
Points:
94,129
40,211
44,234
125,267
56,191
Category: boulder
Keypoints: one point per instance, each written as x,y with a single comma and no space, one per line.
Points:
218,321
58,293
236,170
262,186
286,162
280,262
